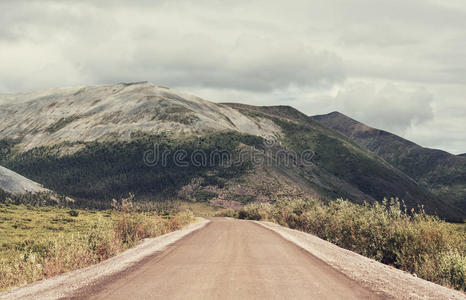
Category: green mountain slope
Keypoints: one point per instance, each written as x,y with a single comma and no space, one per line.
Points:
338,159
444,174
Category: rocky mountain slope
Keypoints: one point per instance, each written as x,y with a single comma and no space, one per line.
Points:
102,142
442,173
17,189
14,183
115,112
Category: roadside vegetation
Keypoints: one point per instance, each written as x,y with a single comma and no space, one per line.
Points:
41,242
409,240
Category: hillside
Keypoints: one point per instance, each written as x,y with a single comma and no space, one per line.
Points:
114,112
14,183
95,144
17,189
442,173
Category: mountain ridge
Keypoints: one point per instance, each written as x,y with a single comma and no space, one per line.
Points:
88,142
103,112
441,172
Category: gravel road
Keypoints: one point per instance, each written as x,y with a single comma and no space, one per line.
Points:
233,259
230,259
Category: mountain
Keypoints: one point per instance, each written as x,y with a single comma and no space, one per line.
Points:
464,154
101,142
444,174
114,112
17,189
14,183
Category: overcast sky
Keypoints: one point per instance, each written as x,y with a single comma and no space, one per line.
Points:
397,65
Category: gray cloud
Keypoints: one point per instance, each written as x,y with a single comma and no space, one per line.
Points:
166,44
409,54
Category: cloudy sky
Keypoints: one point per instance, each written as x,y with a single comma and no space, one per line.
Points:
397,65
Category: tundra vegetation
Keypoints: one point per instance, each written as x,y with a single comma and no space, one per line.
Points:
38,242
387,232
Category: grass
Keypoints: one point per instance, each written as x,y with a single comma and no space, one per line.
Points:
21,225
412,241
41,242
461,227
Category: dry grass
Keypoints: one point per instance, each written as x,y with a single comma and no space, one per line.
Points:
48,249
414,242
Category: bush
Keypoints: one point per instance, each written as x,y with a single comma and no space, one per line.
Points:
73,213
257,211
204,195
412,241
230,213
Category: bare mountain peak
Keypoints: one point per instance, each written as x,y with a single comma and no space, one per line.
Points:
109,112
337,114
346,125
136,83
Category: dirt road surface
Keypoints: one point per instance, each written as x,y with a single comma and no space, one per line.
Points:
229,259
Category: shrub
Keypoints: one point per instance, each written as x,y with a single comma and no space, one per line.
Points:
412,241
231,213
73,213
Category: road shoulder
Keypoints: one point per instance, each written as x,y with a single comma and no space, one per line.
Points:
380,278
